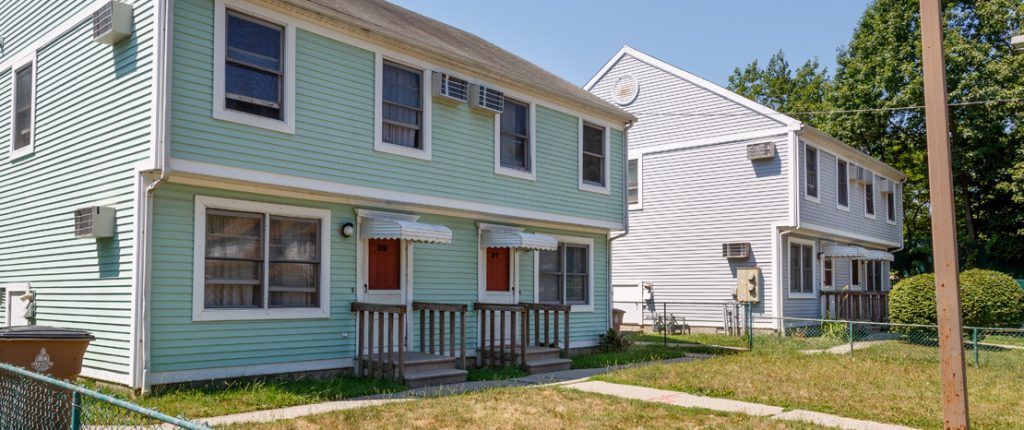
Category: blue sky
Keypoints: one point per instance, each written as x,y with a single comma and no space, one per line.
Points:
574,38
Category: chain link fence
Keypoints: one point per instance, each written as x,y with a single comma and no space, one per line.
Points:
30,401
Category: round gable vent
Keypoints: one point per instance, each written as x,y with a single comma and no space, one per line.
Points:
626,89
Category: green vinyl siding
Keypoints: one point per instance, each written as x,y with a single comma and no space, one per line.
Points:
25,21
445,273
334,127
92,119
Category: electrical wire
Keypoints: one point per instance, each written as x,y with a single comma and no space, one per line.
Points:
827,112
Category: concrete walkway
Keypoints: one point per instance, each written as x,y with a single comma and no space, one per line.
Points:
724,405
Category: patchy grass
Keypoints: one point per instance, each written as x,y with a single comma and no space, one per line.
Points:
494,374
1004,340
250,396
696,338
891,382
635,354
526,408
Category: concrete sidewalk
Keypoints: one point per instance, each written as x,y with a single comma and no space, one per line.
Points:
725,405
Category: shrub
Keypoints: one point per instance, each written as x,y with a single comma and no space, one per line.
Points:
989,299
613,342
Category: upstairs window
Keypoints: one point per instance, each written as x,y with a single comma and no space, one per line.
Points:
633,182
811,172
842,184
890,206
594,157
254,66
23,89
402,110
869,198
514,136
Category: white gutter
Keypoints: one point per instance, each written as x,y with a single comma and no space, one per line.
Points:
625,217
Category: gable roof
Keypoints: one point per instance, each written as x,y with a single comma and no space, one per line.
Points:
423,36
803,129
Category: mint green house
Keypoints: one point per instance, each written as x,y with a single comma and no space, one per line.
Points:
228,188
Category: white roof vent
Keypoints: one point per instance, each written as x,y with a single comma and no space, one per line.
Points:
626,89
736,250
95,222
450,88
485,98
112,22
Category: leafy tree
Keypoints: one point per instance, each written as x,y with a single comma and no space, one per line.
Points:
881,68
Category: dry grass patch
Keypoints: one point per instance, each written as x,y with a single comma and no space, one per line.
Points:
526,408
892,382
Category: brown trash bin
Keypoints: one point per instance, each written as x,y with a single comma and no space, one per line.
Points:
53,351
617,315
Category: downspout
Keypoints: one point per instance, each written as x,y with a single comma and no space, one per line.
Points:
162,164
625,217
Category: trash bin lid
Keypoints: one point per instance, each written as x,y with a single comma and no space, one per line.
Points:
43,332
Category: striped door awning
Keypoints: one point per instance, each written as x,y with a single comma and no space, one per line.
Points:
512,237
852,252
385,226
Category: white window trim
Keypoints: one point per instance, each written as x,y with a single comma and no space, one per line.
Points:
814,273
378,110
530,175
220,112
606,189
860,274
200,313
571,240
817,176
639,205
874,199
28,59
847,184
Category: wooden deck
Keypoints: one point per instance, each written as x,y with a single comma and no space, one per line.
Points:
539,359
855,305
420,368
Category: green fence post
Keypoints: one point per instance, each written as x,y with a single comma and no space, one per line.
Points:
664,323
750,326
76,410
975,341
851,336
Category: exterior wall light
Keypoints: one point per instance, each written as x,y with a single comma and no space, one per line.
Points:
347,229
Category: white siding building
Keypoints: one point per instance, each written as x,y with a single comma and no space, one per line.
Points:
812,224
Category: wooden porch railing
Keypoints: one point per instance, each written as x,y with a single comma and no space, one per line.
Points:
855,305
550,330
367,314
456,339
492,316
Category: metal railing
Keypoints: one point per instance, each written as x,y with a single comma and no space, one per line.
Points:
670,319
30,401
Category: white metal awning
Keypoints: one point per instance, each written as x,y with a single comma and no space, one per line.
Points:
493,236
378,225
852,252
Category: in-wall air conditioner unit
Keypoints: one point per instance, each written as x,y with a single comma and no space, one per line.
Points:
486,99
761,151
887,186
736,250
95,222
449,88
859,174
112,22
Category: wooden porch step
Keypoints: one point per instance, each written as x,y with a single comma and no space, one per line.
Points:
548,365
532,352
424,378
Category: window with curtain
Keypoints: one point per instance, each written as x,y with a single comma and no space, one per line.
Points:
811,172
239,272
801,268
254,66
515,135
564,275
402,110
23,107
842,183
593,155
633,182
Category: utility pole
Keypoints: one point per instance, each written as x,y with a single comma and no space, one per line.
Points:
940,184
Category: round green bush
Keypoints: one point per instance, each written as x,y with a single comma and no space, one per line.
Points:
989,299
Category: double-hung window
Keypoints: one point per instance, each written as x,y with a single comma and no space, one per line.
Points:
873,278
633,182
827,264
593,157
565,274
254,66
402,110
842,184
869,197
515,152
811,172
254,73
258,261
890,206
801,269
23,89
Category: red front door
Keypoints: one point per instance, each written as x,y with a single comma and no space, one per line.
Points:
499,270
385,260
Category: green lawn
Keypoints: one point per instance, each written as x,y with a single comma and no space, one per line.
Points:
891,382
526,408
255,395
494,374
635,354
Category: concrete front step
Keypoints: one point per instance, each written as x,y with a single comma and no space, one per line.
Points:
548,365
424,378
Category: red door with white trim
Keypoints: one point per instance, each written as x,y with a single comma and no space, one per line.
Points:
499,275
384,272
